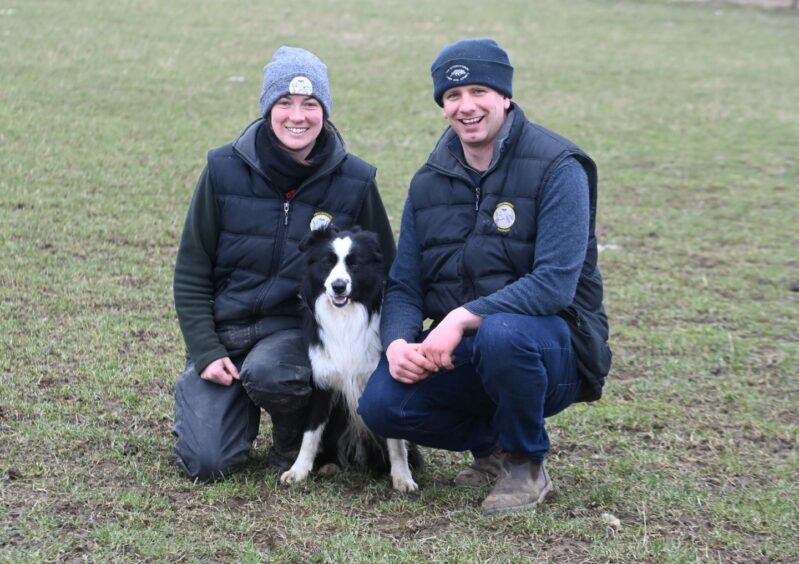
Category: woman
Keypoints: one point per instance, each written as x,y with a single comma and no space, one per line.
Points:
238,268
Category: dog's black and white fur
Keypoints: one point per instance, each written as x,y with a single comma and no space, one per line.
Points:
343,289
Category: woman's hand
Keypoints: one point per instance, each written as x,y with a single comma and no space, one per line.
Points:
221,371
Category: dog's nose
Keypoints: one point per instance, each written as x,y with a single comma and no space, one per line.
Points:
339,286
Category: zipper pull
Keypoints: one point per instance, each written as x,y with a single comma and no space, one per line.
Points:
286,212
476,198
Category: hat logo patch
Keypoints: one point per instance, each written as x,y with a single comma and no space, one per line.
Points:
456,73
504,216
320,220
301,85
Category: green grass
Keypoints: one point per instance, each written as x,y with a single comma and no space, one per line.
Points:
106,112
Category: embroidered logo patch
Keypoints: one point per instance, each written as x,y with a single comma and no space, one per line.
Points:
301,85
504,216
320,220
456,73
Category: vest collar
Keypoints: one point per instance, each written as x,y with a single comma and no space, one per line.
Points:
244,147
447,155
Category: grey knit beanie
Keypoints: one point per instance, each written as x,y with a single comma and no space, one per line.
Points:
295,71
472,61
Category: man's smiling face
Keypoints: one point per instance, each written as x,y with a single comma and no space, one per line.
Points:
476,113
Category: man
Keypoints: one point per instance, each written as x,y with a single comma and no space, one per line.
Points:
497,247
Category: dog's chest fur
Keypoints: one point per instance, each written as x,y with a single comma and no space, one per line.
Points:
348,351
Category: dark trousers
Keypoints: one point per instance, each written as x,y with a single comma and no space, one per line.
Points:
513,373
216,425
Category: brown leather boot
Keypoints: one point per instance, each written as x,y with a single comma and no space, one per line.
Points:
482,472
522,484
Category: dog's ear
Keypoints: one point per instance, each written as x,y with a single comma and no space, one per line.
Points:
324,233
310,240
306,241
370,241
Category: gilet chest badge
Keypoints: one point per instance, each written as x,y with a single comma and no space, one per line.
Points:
320,220
504,216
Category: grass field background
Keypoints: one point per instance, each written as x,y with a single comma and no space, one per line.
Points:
691,111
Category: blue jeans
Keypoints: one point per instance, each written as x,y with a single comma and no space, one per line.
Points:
513,373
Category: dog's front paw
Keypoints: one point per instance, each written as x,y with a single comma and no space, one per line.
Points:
404,484
294,475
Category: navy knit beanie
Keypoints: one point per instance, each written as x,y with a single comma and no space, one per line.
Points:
472,61
295,71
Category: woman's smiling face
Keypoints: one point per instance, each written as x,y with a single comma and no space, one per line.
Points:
297,121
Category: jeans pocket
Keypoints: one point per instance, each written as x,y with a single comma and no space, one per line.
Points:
236,339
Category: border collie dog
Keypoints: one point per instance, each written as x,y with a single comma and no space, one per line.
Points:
343,292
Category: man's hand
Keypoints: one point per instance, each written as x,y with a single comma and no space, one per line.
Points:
441,341
406,364
221,371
